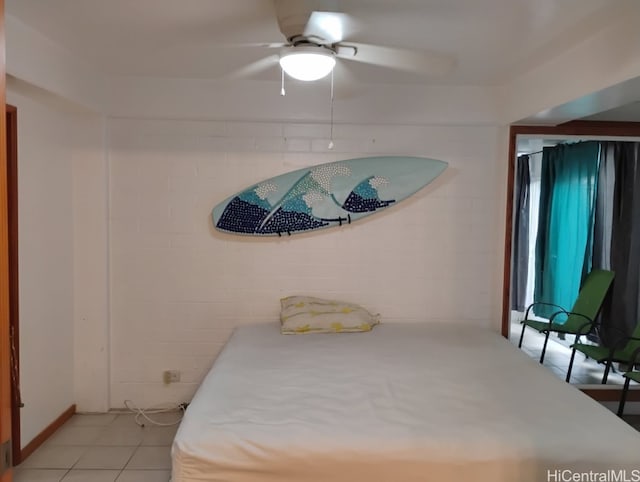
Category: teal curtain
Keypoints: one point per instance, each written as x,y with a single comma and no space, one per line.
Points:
566,218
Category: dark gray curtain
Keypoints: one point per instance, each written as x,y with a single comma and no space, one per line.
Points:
519,269
620,316
603,223
604,208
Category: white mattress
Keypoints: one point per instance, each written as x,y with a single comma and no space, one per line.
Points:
405,402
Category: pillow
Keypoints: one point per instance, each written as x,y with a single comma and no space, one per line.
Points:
305,314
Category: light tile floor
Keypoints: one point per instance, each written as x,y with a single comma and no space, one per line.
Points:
585,371
103,448
112,448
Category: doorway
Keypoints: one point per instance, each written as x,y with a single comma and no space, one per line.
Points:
573,131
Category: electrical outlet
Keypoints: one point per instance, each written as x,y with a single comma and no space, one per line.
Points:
170,376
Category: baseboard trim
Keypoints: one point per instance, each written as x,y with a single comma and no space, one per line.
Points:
39,439
611,394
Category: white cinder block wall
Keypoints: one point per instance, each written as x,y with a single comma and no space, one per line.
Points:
178,287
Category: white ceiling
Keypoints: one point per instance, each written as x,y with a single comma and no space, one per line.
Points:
491,40
629,113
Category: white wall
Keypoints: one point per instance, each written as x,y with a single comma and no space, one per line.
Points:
33,58
597,73
91,248
178,98
50,133
45,264
178,287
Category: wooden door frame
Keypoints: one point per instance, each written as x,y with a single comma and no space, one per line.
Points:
573,128
14,311
5,384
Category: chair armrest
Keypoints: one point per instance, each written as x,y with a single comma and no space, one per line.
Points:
562,310
588,322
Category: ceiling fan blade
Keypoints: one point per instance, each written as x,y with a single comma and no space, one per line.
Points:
328,27
317,20
254,68
263,45
418,61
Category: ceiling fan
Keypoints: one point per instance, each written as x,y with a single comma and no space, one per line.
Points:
317,37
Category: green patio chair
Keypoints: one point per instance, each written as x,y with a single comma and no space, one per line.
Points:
622,350
632,375
581,318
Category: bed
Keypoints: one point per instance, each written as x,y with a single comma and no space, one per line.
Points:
404,402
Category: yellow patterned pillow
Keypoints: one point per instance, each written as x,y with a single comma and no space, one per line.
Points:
306,314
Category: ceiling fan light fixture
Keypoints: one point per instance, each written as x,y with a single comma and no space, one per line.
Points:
307,63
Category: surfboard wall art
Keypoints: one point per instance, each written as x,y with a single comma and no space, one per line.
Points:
326,195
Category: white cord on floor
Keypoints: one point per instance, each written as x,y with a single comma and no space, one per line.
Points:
143,413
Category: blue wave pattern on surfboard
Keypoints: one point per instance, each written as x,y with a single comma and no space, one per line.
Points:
364,197
327,195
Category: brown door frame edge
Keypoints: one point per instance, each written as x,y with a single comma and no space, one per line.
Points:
14,324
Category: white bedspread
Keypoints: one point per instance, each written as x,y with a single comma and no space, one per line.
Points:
405,402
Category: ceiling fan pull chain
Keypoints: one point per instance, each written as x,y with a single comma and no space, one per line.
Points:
331,131
282,92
